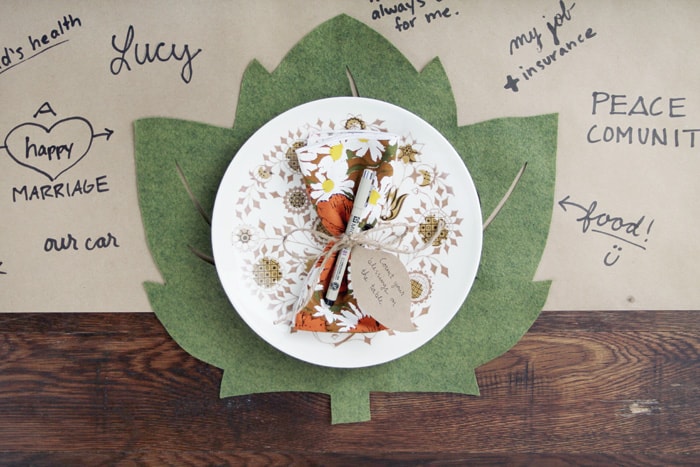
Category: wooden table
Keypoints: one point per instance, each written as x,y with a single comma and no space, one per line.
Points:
580,388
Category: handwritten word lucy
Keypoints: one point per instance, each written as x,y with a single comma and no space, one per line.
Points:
145,53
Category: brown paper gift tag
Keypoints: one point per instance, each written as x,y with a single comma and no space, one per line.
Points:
382,287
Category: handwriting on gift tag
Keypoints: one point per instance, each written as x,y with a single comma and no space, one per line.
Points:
562,44
11,56
623,232
406,15
130,52
382,287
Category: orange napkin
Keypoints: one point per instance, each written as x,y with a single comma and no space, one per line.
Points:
332,165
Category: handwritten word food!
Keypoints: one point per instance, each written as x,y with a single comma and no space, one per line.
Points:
622,231
146,53
639,107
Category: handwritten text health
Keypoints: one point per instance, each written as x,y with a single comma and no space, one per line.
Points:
37,43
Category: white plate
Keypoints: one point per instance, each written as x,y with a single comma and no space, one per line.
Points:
262,197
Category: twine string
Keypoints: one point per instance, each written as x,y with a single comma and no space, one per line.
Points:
361,238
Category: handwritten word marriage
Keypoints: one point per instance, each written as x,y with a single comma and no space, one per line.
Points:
146,53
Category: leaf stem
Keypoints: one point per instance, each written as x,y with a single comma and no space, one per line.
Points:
194,199
505,198
200,255
200,209
353,86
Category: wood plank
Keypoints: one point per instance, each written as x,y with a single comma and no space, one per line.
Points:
269,458
569,392
609,321
147,323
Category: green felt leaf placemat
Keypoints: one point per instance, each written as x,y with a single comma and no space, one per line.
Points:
192,305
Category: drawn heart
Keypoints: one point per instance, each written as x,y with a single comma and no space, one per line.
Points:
50,151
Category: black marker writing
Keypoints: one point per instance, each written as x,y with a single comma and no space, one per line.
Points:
558,21
439,13
562,46
70,242
615,227
147,53
50,151
640,107
60,190
407,14
607,259
618,104
526,38
55,149
674,137
38,43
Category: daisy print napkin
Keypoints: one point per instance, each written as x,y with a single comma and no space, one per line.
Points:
332,165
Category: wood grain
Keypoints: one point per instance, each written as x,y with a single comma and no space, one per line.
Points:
580,388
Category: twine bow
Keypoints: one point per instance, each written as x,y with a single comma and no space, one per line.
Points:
363,238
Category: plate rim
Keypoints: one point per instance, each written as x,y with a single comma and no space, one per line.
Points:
363,102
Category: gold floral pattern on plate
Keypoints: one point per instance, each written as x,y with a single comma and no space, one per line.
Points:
264,226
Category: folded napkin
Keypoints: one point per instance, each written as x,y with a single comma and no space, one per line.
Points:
332,165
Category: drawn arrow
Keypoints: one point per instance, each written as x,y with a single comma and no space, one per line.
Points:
107,133
565,202
2,272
